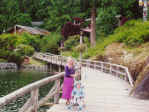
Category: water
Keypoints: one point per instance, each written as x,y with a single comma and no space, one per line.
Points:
10,82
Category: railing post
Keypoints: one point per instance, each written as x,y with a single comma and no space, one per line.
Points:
110,68
129,78
34,99
56,96
102,67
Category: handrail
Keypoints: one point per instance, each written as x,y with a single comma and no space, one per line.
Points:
117,70
40,68
33,103
8,67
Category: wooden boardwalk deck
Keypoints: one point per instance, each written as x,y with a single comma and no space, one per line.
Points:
106,93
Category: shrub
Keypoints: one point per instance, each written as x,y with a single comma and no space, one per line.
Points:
50,43
3,60
25,50
72,41
32,40
81,48
132,33
15,57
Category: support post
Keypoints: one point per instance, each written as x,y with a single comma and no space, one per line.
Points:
81,42
60,68
34,99
93,27
110,68
56,96
145,9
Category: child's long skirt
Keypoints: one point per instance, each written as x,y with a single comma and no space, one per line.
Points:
67,88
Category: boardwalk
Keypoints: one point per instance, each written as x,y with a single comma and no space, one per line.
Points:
106,93
107,88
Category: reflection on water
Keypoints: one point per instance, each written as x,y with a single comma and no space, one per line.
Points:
10,82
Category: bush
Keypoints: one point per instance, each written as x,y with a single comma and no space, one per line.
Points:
133,33
2,60
81,48
25,50
71,42
32,40
15,57
50,43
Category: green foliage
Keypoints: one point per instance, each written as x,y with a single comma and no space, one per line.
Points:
15,57
2,60
25,50
72,46
32,40
61,11
106,19
12,48
108,9
73,53
81,48
50,43
9,41
133,33
71,42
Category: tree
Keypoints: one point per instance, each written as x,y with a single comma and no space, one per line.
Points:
93,4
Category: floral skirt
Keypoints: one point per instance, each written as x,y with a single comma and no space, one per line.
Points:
77,102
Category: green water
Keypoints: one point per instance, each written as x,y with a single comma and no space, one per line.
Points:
10,82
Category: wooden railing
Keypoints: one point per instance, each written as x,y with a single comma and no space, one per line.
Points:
8,67
114,69
51,58
33,102
30,68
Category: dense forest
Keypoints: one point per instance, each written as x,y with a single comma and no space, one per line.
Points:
55,13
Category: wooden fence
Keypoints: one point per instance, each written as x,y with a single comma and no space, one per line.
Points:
30,68
114,69
8,67
33,102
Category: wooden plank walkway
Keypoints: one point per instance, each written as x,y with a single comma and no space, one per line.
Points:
106,93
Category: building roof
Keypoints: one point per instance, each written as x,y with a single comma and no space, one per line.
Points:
31,30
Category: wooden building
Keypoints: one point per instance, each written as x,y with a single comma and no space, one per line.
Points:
19,29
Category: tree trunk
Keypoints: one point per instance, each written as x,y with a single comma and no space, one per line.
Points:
93,27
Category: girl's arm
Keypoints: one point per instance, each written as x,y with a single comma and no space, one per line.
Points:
74,75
